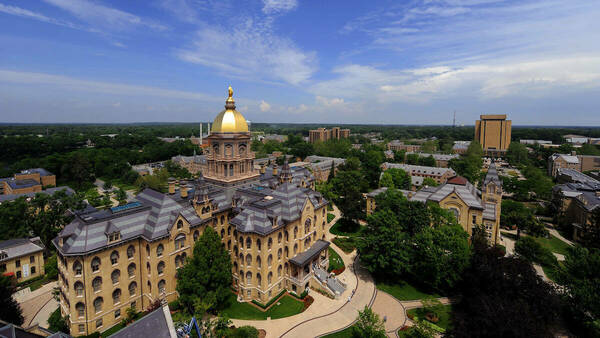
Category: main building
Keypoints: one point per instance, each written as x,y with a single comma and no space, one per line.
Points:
272,223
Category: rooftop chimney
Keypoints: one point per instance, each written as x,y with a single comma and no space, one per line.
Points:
263,169
184,190
171,185
274,169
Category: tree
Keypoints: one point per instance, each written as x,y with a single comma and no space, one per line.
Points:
517,154
503,297
419,330
368,325
331,175
106,201
51,267
206,277
244,332
121,196
399,177
430,182
427,161
10,311
581,281
58,323
531,250
348,186
386,180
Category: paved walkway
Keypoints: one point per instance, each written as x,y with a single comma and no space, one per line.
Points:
391,311
37,305
557,234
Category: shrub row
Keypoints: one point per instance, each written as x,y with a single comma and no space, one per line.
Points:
266,306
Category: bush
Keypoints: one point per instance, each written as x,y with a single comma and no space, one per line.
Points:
347,244
530,249
51,267
57,322
243,332
266,306
29,281
174,305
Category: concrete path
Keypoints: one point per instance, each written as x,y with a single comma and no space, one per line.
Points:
391,311
557,234
37,305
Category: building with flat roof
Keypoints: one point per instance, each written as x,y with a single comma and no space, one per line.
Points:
322,134
22,258
441,160
29,180
439,175
493,132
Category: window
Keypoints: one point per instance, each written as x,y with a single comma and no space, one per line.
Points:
258,244
279,271
279,238
132,288
270,278
149,287
258,262
177,261
98,304
79,289
131,270
222,219
269,260
161,286
114,257
31,259
307,226
196,235
248,259
81,328
248,243
148,267
295,232
248,277
222,233
286,252
116,296
95,264
474,219
179,241
249,293
18,263
279,254
159,250
117,313
99,323
32,269
80,309
97,284
130,251
269,243
179,224
115,275
456,213
295,248
161,267
258,279
147,250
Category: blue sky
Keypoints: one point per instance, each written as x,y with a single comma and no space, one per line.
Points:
392,62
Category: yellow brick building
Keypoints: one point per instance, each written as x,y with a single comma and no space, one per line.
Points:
22,258
493,132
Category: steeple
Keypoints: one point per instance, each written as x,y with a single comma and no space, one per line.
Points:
286,173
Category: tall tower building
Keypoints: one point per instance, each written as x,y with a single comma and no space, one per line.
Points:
493,132
229,159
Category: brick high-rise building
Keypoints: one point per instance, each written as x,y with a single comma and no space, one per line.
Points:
322,134
493,132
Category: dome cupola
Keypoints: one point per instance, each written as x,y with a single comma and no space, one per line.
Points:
229,120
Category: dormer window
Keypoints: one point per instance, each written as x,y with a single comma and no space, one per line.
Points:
115,236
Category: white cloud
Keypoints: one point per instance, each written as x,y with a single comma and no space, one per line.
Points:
250,50
264,106
25,13
279,6
102,16
74,84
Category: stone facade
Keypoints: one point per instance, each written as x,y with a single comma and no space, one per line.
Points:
439,175
573,161
22,258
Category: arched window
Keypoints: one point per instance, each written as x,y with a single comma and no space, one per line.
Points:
229,245
177,261
295,232
270,278
248,243
130,251
161,286
269,243
222,233
97,284
258,279
241,276
270,260
148,267
159,250
295,248
131,270
279,238
132,288
258,262
222,219
80,309
160,267
147,250
229,230
248,277
307,226
279,254
241,241
196,235
95,264
149,286
183,256
279,271
235,267
258,244
115,275
456,213
179,224
114,257
79,288
286,252
248,259
77,268
285,268
235,250
98,304
307,243
116,296
286,236
179,241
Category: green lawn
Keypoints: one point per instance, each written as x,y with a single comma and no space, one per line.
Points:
288,306
551,271
336,230
345,333
119,183
330,217
445,316
335,261
554,244
405,291
347,244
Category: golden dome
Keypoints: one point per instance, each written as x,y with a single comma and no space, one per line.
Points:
229,120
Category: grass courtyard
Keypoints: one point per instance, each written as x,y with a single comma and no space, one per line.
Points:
405,291
285,307
337,229
444,321
345,333
330,217
554,244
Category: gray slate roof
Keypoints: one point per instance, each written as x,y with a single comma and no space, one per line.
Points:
19,247
151,218
302,258
158,323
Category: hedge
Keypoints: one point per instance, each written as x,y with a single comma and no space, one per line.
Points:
266,306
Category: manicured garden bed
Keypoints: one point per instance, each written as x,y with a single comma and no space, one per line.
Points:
405,291
336,229
444,319
336,264
285,307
